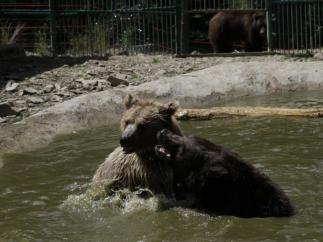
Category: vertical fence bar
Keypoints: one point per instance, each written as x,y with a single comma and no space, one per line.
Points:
52,23
183,27
178,33
269,25
320,27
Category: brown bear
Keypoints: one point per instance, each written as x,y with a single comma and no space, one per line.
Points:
225,28
134,164
220,180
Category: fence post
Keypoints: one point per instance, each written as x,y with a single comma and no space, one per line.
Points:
52,27
178,21
181,28
269,25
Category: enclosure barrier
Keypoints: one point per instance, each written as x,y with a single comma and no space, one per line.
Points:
105,27
297,26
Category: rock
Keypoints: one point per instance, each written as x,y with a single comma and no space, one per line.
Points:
2,120
114,81
319,56
64,94
102,84
11,117
91,73
56,98
74,85
30,91
20,102
89,84
160,73
35,80
121,75
19,110
35,100
64,89
6,110
49,88
57,86
11,86
77,91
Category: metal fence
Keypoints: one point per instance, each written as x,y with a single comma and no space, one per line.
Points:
196,15
92,27
102,27
297,26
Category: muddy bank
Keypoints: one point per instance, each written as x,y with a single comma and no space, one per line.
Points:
201,88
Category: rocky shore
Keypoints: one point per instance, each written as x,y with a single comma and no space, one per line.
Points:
31,84
227,78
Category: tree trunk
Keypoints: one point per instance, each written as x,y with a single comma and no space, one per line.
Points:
230,112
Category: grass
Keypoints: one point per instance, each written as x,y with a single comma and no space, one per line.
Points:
41,45
93,42
9,32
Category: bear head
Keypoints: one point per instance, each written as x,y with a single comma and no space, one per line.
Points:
176,148
142,120
259,24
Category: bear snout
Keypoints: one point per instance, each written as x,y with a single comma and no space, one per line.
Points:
162,135
164,132
262,30
128,136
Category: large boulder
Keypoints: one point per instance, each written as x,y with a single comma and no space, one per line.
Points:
199,88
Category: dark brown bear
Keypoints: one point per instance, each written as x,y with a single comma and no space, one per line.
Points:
220,180
226,28
135,164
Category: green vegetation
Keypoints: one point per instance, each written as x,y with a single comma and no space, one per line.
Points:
4,33
127,40
41,45
91,42
9,32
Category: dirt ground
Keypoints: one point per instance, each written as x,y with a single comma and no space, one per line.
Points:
31,84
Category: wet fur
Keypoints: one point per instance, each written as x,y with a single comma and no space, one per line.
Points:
220,181
141,168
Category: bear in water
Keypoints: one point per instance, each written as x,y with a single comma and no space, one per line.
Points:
220,180
134,164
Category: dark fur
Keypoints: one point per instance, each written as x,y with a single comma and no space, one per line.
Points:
220,180
225,28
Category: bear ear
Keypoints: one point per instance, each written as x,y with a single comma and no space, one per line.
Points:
256,16
169,109
129,101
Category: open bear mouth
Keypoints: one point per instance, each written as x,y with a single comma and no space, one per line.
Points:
161,151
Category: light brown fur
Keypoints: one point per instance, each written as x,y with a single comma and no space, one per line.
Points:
141,168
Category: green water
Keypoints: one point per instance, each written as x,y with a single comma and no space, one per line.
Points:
35,185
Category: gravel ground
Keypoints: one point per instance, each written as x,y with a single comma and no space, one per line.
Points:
31,84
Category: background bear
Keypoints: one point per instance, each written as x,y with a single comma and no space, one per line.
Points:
225,28
135,163
220,180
